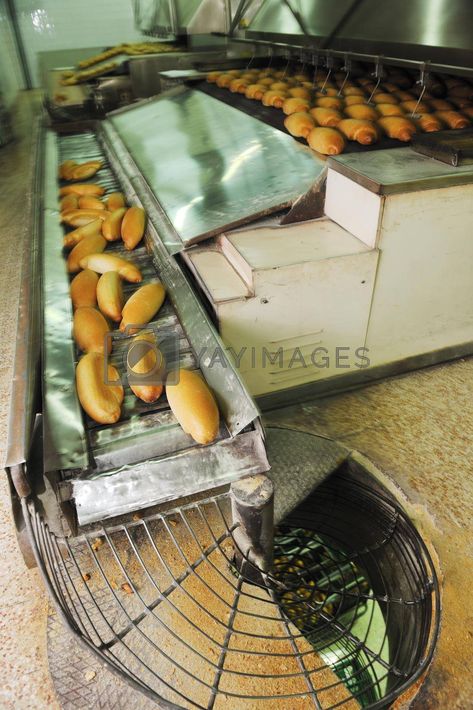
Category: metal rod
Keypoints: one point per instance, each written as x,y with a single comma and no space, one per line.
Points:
253,508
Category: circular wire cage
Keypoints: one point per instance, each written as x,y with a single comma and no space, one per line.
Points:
346,617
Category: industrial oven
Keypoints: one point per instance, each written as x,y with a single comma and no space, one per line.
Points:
268,569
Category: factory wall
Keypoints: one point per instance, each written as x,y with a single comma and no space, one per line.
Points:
48,25
11,77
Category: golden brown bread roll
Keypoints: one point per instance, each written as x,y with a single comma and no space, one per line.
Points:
101,401
301,76
329,91
295,105
90,330
279,86
234,72
404,95
389,110
352,100
92,244
238,85
299,92
362,111
274,98
133,227
330,102
255,91
461,91
359,130
459,103
326,116
114,201
212,76
384,99
142,306
350,90
410,106
101,263
79,218
224,80
85,171
84,289
428,123
398,127
77,235
69,202
148,362
89,202
82,189
111,227
194,407
299,124
110,297
66,168
453,119
389,88
266,81
327,141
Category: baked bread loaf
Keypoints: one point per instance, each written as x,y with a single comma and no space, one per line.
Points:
274,98
100,400
327,141
133,227
110,297
77,235
142,305
359,130
90,330
83,289
428,123
89,202
362,111
148,362
86,188
326,116
299,124
93,244
194,406
389,110
329,102
114,201
453,119
398,127
111,227
101,263
295,105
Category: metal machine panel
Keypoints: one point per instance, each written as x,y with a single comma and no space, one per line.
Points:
316,17
212,167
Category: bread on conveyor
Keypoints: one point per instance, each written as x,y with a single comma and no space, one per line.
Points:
89,202
110,297
90,330
77,235
92,244
69,202
384,98
428,123
398,127
133,227
389,110
453,119
146,361
142,305
299,92
410,106
353,100
101,263
101,401
327,141
86,188
79,217
362,111
238,85
114,201
224,80
350,90
299,125
255,91
111,227
194,406
326,116
329,102
83,289
295,105
274,98
359,130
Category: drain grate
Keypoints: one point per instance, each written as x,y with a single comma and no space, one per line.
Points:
347,616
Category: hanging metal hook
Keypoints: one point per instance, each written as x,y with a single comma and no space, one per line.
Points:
315,62
346,67
252,57
329,65
270,54
423,81
288,62
378,72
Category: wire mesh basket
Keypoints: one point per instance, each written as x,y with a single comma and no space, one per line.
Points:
346,615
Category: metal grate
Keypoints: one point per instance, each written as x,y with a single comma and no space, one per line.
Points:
347,616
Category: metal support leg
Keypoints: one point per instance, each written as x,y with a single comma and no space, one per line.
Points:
253,508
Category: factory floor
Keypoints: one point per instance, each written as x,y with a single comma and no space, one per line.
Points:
416,428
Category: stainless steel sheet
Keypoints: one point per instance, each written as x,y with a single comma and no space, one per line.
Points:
210,166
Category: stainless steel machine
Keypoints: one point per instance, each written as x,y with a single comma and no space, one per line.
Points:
215,576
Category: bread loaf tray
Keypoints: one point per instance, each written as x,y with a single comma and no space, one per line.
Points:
145,458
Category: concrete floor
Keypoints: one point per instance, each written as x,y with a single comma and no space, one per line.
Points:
417,428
